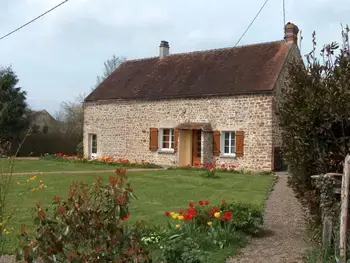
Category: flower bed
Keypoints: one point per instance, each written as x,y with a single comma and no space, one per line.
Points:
110,160
203,231
232,168
237,216
228,168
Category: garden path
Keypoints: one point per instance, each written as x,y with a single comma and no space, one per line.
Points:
88,171
285,235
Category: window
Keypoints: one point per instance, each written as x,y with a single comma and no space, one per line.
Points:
167,137
228,143
93,142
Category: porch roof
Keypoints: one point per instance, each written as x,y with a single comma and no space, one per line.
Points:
195,126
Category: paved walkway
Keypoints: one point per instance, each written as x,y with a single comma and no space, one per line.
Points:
88,171
284,238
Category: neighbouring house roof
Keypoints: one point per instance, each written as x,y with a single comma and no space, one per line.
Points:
40,116
228,71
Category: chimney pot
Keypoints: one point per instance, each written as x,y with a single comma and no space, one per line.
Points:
291,33
163,49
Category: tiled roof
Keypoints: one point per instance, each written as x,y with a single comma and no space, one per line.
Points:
228,71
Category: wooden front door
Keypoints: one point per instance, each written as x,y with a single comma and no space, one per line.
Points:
196,147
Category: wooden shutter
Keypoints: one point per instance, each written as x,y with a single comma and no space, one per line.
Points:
216,143
176,139
239,143
153,139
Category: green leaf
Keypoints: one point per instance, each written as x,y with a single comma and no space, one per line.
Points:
66,231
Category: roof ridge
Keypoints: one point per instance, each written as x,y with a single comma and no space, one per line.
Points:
207,50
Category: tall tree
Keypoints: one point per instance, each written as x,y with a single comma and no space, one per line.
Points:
13,105
109,66
71,116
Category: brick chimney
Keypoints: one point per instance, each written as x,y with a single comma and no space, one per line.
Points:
291,33
163,49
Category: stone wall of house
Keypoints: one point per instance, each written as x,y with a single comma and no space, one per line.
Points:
207,147
122,127
282,81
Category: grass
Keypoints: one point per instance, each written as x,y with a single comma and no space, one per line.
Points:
157,191
51,166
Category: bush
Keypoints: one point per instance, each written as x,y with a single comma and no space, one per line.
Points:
80,149
314,116
179,249
87,226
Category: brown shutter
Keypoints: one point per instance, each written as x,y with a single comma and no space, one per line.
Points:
239,143
176,139
153,139
216,143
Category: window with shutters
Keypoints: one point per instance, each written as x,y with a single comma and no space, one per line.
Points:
167,139
228,143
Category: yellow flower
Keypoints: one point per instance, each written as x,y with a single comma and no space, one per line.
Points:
178,226
175,216
180,217
41,181
210,223
18,183
172,213
217,214
1,224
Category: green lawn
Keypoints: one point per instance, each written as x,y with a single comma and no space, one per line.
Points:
157,191
50,166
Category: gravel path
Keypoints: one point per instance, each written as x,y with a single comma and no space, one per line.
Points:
284,238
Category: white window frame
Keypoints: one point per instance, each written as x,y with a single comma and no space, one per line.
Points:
230,154
169,149
93,155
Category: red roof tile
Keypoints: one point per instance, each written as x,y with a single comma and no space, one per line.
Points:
228,71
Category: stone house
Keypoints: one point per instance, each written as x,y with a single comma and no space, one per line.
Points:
42,121
198,107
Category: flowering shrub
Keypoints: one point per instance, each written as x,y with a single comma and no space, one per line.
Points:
87,226
110,160
210,170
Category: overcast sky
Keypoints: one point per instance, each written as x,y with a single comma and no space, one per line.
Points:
58,57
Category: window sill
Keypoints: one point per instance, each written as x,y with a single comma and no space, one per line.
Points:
228,156
166,151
